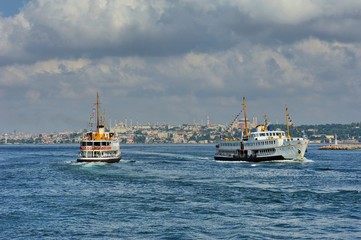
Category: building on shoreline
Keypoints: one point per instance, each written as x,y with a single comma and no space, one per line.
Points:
188,133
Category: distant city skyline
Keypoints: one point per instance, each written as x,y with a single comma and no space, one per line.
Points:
178,61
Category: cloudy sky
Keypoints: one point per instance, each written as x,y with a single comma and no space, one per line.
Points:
178,61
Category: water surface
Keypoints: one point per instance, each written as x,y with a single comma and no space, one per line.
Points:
177,192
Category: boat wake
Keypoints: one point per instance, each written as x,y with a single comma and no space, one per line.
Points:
85,164
171,155
307,160
295,160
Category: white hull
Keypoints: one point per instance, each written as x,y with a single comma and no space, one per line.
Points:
258,150
100,159
102,150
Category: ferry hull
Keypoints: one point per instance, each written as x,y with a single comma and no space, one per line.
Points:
287,152
104,160
247,159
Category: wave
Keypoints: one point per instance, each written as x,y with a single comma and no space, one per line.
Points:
172,155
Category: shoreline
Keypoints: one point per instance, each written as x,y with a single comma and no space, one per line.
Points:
341,147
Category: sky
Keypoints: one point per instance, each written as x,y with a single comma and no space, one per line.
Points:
181,61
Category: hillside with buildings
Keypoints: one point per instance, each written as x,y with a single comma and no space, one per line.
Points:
190,133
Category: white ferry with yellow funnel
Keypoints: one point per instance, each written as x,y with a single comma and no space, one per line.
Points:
262,145
99,145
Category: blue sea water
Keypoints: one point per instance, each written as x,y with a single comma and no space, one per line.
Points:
177,192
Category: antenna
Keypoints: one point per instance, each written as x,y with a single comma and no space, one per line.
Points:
287,123
265,122
97,110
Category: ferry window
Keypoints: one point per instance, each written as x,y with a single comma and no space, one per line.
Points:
83,143
96,143
89,143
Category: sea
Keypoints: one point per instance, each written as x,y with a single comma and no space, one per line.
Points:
177,192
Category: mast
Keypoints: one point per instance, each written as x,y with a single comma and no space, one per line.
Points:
97,110
287,123
104,120
265,122
245,116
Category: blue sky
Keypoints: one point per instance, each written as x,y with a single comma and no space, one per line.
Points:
11,7
178,61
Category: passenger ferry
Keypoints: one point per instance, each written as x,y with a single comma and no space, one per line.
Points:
101,145
262,145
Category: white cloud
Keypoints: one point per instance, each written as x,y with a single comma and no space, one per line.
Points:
168,59
280,11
